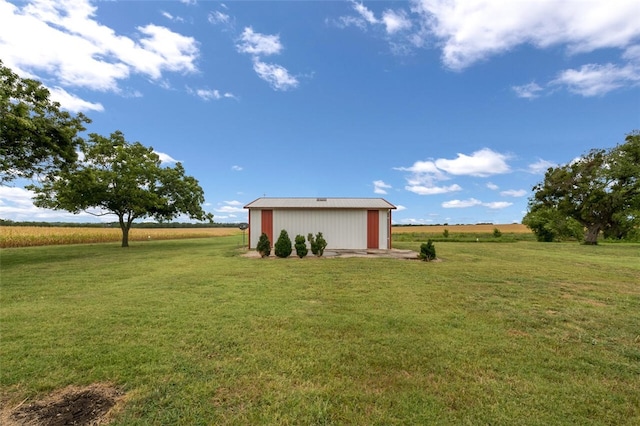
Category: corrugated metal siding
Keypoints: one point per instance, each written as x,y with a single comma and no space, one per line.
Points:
320,203
343,229
255,220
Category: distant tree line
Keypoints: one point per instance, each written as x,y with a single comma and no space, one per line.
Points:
5,222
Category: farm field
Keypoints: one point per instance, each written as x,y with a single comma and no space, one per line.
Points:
190,332
28,236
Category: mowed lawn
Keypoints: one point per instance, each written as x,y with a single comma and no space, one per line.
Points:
494,333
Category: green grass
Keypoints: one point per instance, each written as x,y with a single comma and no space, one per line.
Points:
501,334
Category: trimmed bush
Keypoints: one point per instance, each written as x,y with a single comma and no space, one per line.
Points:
283,247
264,245
427,251
318,244
301,246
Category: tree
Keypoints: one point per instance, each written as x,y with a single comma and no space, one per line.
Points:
35,135
600,190
282,247
301,246
125,179
427,251
264,245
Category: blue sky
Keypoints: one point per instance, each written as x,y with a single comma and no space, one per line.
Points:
449,109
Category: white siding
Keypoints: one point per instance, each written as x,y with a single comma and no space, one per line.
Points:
383,229
343,229
255,221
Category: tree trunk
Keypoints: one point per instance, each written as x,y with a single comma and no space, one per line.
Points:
124,226
591,236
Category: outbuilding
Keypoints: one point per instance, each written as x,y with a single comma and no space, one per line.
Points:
345,223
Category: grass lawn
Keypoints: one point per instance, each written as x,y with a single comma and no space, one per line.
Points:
511,333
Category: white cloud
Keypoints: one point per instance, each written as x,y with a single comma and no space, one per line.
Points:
209,94
432,190
165,158
230,207
528,91
540,166
395,21
459,204
473,31
514,193
236,168
492,186
365,13
72,102
472,202
259,44
379,187
496,205
481,163
217,17
277,76
64,42
597,80
400,208
425,174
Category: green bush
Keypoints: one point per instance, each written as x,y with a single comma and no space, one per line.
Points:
427,251
497,233
264,245
445,233
283,245
301,246
318,244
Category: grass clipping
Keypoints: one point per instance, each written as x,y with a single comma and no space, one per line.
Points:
90,405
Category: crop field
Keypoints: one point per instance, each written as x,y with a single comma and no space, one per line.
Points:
28,236
514,228
191,332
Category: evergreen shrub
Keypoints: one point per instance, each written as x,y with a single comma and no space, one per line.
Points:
264,245
283,246
301,246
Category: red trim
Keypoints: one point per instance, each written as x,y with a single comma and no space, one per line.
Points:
267,224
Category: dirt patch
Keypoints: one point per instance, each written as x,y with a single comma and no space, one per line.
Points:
90,405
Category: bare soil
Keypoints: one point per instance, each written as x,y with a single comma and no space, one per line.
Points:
90,405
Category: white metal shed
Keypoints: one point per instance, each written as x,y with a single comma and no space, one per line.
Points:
346,223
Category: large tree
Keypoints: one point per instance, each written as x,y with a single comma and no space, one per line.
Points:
36,136
600,190
125,179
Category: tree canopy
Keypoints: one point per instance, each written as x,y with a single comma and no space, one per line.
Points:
125,179
35,135
600,191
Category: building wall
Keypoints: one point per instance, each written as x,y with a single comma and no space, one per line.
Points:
343,229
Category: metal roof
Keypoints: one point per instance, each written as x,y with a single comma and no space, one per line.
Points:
320,203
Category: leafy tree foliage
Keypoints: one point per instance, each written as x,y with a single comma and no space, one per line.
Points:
35,135
301,246
318,243
125,179
283,245
600,191
549,225
427,251
264,245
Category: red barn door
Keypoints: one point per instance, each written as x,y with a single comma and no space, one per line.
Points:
267,224
373,229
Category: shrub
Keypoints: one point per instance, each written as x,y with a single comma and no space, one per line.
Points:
264,245
497,233
283,245
301,246
427,251
318,244
445,233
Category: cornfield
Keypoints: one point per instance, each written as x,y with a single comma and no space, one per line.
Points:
25,236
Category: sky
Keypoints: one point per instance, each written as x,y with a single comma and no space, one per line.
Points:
451,110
